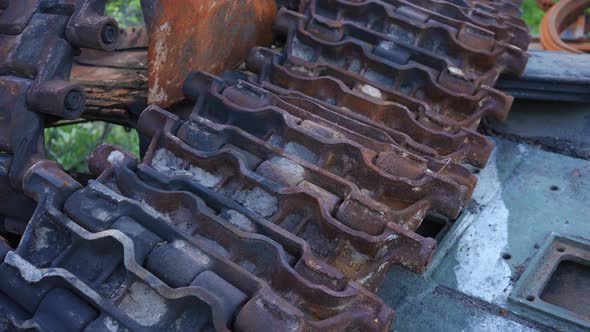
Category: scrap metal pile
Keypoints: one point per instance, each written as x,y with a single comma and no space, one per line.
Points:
276,197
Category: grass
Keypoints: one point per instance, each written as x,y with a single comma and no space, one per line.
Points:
532,15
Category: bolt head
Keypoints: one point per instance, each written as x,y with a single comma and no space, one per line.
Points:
73,101
109,34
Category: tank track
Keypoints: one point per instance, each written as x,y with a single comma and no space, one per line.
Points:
275,197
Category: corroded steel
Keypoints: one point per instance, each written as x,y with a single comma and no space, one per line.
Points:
332,122
311,142
428,38
270,201
37,43
214,36
121,248
509,29
341,224
408,84
383,120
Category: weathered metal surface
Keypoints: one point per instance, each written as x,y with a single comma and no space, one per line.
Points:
556,273
430,39
343,226
261,203
554,76
392,179
37,44
15,208
409,159
216,36
129,254
407,83
509,29
382,120
568,133
395,54
523,195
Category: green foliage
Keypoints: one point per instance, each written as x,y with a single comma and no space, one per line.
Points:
532,15
71,145
126,12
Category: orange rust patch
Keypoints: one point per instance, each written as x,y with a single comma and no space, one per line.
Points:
213,36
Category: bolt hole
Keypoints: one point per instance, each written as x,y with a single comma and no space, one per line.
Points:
506,256
476,171
554,188
560,249
73,101
109,34
530,298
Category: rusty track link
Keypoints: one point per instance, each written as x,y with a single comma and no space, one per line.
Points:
343,226
329,123
436,107
391,51
505,28
273,198
37,43
382,120
110,261
557,19
430,39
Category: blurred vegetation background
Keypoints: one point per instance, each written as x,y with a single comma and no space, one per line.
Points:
532,15
71,145
127,12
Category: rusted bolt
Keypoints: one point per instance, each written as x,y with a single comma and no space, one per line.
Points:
109,34
94,32
73,101
56,97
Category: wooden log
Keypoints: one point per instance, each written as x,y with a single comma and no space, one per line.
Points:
115,82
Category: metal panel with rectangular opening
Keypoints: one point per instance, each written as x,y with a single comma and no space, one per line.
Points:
557,280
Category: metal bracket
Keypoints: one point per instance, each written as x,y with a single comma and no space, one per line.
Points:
533,287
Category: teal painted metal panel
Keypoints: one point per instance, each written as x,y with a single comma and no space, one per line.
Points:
523,196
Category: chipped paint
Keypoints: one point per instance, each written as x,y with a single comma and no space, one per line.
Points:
480,269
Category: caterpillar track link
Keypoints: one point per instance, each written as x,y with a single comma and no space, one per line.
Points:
376,22
506,28
383,121
412,85
309,142
345,227
123,253
38,40
238,89
449,80
274,196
